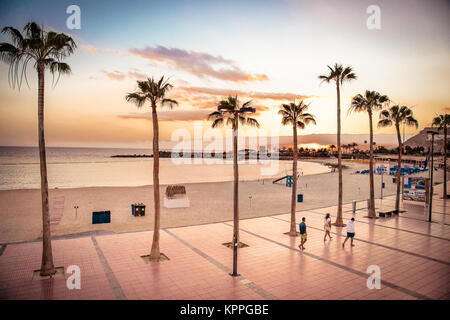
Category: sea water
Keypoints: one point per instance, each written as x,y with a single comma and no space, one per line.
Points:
89,167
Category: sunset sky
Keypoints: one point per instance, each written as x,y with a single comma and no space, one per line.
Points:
268,51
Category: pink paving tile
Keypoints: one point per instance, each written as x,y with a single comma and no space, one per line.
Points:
18,262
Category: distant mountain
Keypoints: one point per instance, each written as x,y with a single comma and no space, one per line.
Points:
422,140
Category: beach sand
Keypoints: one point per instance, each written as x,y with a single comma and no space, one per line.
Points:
20,210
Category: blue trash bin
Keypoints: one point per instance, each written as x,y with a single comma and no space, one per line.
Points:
300,198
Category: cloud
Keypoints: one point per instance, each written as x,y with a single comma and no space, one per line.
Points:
180,115
115,75
250,94
90,49
198,63
118,75
137,75
260,109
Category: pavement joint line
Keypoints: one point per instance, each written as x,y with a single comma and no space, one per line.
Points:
113,283
398,229
3,248
359,273
251,285
380,245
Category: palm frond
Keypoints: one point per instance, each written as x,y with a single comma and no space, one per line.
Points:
384,123
217,123
252,122
169,103
136,98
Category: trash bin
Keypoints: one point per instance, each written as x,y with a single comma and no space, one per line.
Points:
393,180
299,197
138,209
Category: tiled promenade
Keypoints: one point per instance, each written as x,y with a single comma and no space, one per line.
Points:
413,255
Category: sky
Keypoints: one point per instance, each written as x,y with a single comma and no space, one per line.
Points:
269,52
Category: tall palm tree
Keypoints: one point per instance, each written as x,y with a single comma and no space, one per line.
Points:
46,49
370,102
295,115
443,122
154,92
339,75
397,115
232,112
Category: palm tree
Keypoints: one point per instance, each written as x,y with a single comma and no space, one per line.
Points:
231,112
339,75
354,145
332,147
443,122
46,49
295,115
395,116
154,92
370,102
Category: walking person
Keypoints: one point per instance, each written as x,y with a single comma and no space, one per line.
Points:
327,227
303,236
350,232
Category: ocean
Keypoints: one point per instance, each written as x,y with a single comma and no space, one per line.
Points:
91,167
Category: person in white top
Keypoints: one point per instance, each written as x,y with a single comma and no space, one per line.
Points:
350,232
327,227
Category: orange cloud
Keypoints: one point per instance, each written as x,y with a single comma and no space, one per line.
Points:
115,75
90,49
179,115
252,94
198,63
118,75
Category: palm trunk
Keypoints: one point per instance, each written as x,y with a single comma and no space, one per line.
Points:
236,181
372,193
292,231
445,162
155,253
399,165
339,222
47,267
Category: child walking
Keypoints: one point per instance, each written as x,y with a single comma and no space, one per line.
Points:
327,227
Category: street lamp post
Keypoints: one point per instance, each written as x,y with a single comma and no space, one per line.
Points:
432,133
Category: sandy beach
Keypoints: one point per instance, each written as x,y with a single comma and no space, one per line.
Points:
20,210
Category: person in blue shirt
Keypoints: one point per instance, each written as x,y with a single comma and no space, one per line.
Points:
302,228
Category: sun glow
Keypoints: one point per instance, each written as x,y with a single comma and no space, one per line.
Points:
312,146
